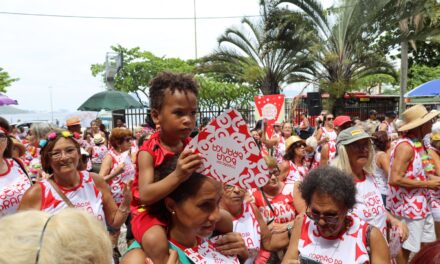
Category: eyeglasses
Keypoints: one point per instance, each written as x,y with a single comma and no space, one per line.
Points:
231,188
3,137
329,219
68,152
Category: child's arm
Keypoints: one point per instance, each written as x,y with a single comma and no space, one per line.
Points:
150,191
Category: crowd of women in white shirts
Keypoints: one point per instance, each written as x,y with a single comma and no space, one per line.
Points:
265,218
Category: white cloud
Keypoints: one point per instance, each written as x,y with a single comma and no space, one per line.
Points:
57,52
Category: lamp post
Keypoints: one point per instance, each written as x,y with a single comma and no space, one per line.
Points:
113,63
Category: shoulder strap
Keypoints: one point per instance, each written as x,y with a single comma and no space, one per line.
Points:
24,170
60,193
268,204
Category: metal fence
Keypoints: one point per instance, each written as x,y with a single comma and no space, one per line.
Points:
356,108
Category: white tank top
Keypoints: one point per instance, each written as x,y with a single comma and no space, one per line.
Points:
330,134
349,248
409,203
247,225
296,173
99,153
380,177
280,148
13,184
369,205
85,196
331,154
118,182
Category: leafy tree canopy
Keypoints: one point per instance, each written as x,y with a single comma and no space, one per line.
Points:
5,80
420,74
140,67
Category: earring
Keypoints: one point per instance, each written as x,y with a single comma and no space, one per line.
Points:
173,212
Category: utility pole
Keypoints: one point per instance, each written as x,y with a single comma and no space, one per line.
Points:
195,29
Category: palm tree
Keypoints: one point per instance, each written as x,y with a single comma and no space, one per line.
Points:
345,34
249,54
412,17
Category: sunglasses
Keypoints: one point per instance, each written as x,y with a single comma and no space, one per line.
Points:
329,219
329,118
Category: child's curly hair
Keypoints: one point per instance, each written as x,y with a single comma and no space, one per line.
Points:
172,81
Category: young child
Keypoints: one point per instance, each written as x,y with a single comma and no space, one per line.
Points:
173,102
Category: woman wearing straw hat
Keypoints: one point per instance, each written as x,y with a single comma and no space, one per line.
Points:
294,168
409,185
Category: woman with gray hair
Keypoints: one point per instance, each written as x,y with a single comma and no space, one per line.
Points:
328,232
355,156
72,236
37,133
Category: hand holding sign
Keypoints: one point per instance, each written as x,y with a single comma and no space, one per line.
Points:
187,163
229,153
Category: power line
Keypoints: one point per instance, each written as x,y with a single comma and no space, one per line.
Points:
121,18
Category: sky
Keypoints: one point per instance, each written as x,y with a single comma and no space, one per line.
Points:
52,55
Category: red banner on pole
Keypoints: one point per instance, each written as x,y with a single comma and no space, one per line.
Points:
270,107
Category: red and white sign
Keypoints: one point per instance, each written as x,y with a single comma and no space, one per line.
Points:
206,253
270,107
230,154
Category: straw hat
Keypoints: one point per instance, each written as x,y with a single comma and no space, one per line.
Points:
291,140
416,116
98,139
73,121
19,145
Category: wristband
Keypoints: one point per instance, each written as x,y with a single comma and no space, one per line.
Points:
289,229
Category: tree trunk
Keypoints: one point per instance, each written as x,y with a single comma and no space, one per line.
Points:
403,74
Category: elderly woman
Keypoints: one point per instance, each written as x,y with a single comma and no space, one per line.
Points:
277,205
37,133
70,237
192,215
249,222
13,177
355,157
329,233
68,187
294,167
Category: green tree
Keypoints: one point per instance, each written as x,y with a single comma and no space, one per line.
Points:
140,67
223,95
345,34
5,80
420,74
408,23
370,82
248,54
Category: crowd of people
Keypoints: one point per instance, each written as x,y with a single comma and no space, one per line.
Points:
341,192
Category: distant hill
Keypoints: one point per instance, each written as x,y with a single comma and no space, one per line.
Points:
10,110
